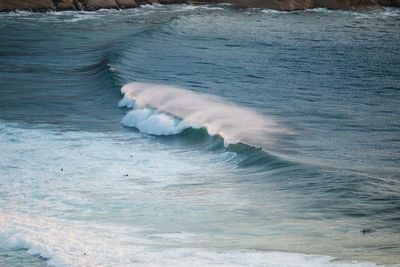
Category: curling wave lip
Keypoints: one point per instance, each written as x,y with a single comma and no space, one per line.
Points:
232,122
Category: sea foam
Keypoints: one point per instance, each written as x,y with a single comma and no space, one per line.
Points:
181,108
151,122
72,243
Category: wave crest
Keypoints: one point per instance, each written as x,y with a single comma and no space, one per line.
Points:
175,109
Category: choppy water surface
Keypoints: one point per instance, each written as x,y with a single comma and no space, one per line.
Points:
133,137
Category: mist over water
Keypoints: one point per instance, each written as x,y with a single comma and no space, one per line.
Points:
131,138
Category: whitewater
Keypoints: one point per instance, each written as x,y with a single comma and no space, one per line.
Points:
200,135
67,226
195,111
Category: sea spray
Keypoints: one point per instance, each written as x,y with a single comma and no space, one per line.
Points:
232,122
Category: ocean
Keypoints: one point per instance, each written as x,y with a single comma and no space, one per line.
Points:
200,135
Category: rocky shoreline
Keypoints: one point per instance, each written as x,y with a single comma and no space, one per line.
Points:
283,5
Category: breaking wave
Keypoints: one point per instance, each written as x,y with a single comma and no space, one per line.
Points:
168,110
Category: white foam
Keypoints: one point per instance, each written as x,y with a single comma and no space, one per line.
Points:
150,6
320,9
232,122
90,207
126,102
273,11
206,7
73,243
65,242
154,123
16,13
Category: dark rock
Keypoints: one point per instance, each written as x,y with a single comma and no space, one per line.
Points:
395,3
349,4
31,5
169,2
194,2
150,2
126,3
65,5
92,5
78,5
147,2
290,5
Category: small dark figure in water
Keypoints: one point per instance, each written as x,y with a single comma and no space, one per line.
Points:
84,254
260,147
366,231
61,169
125,175
131,156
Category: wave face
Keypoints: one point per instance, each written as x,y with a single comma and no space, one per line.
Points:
233,123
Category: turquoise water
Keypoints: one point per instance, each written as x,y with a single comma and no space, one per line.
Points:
133,137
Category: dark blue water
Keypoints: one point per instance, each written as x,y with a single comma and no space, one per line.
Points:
330,80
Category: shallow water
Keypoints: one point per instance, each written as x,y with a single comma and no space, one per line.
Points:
168,171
